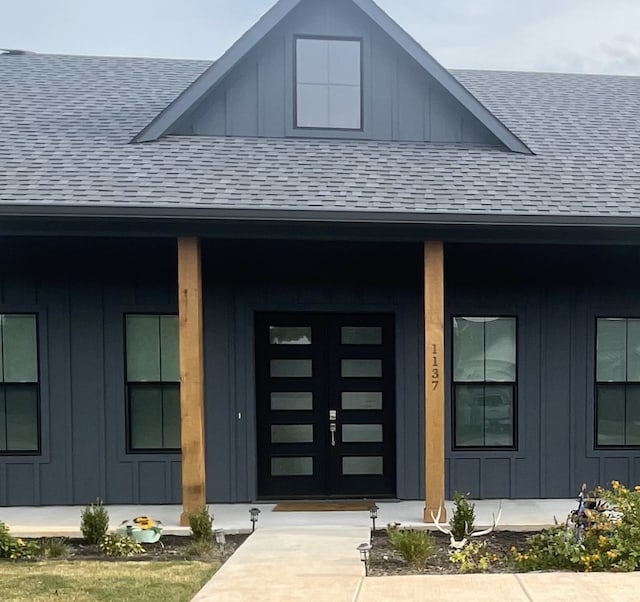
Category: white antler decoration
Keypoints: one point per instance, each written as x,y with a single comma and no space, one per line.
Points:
453,543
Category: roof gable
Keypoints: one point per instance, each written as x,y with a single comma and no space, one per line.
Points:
478,115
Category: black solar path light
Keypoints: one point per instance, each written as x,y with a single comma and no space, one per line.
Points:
254,518
365,553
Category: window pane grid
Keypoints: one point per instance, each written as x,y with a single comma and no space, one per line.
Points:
328,85
153,377
617,415
19,384
484,378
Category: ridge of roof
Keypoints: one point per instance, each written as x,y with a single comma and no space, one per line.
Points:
189,97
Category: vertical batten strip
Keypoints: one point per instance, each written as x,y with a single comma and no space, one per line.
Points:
191,375
434,385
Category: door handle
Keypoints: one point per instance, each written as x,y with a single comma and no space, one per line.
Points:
333,428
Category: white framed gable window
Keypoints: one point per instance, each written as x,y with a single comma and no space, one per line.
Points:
328,83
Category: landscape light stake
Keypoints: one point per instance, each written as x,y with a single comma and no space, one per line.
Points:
254,518
373,514
365,551
221,540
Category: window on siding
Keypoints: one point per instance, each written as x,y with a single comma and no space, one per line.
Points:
618,382
328,84
484,382
19,384
153,383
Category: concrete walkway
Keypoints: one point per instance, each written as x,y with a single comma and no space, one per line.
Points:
234,518
322,565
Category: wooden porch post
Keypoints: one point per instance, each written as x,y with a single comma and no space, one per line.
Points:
191,376
434,398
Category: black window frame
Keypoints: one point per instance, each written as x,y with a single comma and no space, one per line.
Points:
610,384
35,384
328,129
143,384
513,384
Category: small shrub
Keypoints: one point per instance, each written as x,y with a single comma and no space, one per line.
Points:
94,522
200,549
53,548
119,546
201,524
552,549
15,548
462,521
473,558
414,546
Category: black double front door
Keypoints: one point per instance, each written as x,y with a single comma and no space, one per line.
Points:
325,405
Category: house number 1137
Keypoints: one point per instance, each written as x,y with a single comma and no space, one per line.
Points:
435,367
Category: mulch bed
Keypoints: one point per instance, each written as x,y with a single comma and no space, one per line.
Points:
385,561
169,548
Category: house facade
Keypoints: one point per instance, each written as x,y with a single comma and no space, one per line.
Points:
320,267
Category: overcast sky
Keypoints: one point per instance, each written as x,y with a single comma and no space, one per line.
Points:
594,36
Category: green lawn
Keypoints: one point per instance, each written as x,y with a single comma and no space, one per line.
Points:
103,581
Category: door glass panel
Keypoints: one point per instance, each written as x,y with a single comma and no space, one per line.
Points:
361,368
290,335
361,400
291,433
612,347
361,335
292,467
289,400
362,433
352,465
291,369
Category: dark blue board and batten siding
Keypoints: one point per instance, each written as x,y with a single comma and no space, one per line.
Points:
556,293
400,100
80,291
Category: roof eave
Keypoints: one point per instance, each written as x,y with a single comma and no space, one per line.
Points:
191,213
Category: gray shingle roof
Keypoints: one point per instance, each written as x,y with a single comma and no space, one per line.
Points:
65,124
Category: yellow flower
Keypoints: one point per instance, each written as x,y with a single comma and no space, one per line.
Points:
144,522
602,540
612,554
636,488
19,542
615,484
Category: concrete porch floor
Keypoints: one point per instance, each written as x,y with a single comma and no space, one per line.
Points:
65,520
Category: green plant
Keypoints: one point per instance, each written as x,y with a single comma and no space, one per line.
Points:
15,548
56,547
200,549
414,546
94,522
201,524
462,521
119,546
473,558
607,538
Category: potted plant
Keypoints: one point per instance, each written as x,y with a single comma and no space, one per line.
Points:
142,528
